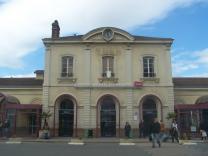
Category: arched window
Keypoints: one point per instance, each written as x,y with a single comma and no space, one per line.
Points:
202,99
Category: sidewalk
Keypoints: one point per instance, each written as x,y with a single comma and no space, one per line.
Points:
66,140
89,140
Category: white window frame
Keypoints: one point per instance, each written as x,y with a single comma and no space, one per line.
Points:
108,57
149,74
67,66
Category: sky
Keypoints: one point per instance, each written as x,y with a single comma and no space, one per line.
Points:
23,24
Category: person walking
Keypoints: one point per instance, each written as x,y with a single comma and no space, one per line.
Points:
141,129
155,133
203,134
127,130
1,128
174,131
6,128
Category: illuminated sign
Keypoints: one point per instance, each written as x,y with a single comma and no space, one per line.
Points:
138,84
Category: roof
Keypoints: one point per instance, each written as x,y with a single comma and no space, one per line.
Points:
20,82
179,82
190,82
39,72
101,29
191,106
79,38
146,38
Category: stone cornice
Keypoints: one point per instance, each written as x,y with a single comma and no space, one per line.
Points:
46,42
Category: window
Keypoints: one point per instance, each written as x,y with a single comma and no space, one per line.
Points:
67,66
148,66
108,66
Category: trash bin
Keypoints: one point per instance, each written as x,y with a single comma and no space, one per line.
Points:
90,133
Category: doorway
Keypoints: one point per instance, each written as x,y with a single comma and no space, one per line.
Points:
108,117
149,111
66,118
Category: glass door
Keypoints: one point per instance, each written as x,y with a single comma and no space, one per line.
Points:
66,118
108,118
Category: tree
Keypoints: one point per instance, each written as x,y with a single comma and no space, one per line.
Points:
45,116
171,115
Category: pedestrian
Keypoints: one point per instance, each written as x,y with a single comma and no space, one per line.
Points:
6,128
1,128
203,134
127,130
155,133
162,131
174,131
141,129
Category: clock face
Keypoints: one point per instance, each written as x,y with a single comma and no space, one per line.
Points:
108,34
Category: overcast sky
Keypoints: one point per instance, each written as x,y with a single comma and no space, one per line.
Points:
23,23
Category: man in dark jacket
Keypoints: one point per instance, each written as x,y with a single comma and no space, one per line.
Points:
155,133
141,129
127,130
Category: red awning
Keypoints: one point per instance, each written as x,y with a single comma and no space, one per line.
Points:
22,106
191,106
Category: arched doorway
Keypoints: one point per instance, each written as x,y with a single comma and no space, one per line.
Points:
149,110
66,118
108,116
202,114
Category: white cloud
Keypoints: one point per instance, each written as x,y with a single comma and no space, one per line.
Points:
202,55
20,75
198,75
25,22
183,61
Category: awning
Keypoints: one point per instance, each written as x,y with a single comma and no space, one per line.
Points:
22,106
191,106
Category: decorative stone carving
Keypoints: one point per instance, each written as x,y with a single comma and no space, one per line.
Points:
67,80
152,79
108,80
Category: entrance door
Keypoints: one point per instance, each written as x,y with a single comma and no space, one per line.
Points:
108,118
205,119
32,123
66,118
149,113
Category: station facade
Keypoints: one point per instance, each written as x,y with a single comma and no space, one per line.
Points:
99,81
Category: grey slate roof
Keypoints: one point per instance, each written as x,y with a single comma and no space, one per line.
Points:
179,82
20,82
79,38
39,72
190,82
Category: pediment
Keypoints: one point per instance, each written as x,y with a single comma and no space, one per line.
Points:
107,34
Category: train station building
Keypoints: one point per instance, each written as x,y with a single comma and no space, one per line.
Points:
100,81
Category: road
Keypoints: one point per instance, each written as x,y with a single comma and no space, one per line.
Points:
101,149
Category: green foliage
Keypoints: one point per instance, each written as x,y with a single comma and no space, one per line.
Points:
171,115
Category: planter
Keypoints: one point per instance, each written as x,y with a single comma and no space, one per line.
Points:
44,134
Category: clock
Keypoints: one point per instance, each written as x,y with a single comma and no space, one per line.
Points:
108,34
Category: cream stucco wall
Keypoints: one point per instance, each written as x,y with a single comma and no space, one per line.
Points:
128,67
25,95
189,96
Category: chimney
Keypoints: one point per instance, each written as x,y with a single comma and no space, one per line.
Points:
55,30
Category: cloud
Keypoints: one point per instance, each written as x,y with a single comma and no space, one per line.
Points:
20,75
203,56
184,62
24,22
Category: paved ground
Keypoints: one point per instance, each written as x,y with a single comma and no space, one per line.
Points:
100,149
